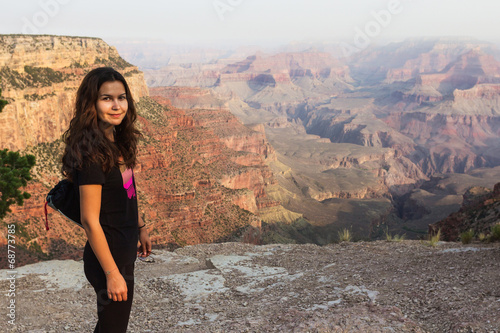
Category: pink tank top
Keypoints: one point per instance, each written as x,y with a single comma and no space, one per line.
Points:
128,182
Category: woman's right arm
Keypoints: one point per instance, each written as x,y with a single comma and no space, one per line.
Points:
90,206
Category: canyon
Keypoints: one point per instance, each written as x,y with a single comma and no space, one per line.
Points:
202,175
269,148
369,142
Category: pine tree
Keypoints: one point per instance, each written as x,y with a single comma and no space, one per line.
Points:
14,173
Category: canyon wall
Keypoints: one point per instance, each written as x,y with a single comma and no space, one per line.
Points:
39,76
202,175
374,127
480,211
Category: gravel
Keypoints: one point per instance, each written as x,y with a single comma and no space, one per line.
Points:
405,286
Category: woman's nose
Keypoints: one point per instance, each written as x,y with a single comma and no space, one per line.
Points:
116,104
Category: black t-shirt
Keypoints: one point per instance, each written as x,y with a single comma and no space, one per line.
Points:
118,215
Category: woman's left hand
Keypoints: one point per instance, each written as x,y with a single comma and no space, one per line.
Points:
144,249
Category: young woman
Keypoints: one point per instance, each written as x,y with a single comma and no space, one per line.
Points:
100,154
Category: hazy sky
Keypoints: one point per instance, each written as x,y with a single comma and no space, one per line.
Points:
254,21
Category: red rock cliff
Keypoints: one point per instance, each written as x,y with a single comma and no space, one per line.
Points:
39,76
202,175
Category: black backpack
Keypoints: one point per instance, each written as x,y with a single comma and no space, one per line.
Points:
64,199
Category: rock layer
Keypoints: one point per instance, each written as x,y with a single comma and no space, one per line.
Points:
201,176
39,76
480,211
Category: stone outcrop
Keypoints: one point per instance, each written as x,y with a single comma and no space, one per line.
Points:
472,74
479,212
406,60
267,80
259,69
249,144
316,64
483,91
470,134
39,76
189,97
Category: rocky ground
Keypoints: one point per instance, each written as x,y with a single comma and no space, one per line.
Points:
379,286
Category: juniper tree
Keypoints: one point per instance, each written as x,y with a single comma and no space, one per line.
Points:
14,173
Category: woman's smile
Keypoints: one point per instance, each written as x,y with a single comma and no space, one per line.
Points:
111,106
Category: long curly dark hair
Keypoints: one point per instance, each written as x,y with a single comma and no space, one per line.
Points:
86,141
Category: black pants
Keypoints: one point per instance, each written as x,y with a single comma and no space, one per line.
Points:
112,315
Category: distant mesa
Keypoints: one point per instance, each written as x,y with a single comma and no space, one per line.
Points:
388,120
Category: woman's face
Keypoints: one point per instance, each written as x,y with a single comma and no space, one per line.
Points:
112,105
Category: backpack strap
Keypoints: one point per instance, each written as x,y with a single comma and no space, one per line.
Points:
46,216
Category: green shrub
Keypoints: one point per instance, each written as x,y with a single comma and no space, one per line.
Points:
36,97
399,238
132,72
391,238
44,76
32,77
467,236
495,233
115,62
15,172
12,78
434,239
3,103
344,235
